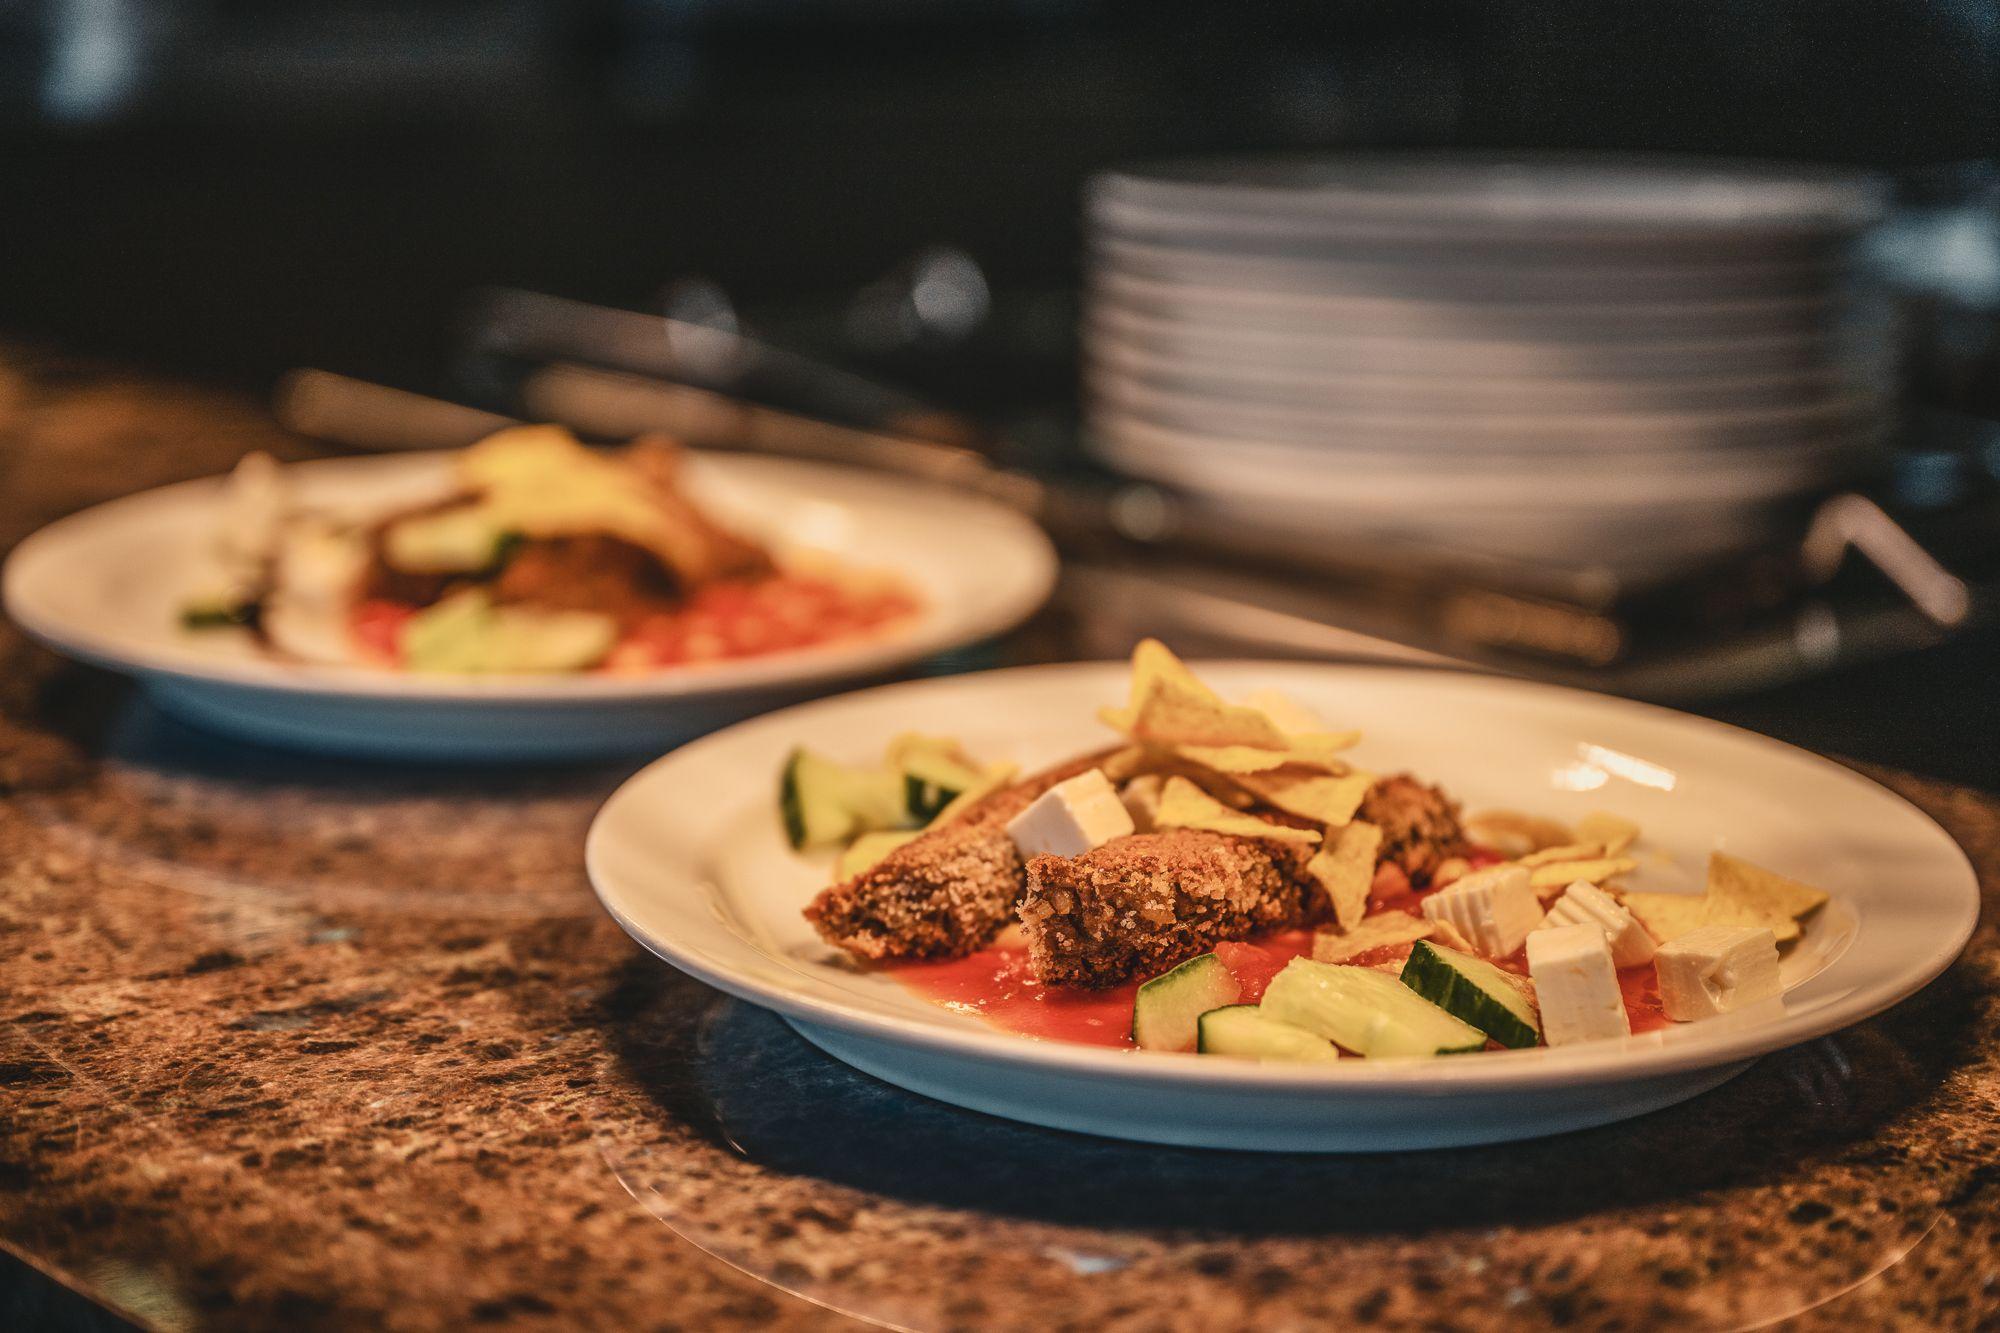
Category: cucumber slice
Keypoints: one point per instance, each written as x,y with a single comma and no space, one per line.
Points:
217,611
991,779
1245,1030
466,632
1166,1012
1365,1011
822,802
809,801
869,848
935,773
1492,1000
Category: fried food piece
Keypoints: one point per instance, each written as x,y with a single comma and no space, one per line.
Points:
944,893
1419,824
587,573
1138,905
704,550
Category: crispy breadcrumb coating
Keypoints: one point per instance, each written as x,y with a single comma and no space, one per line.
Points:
946,892
1140,904
1419,824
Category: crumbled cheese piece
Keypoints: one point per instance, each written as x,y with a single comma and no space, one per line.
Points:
1714,969
1070,818
1576,985
1494,908
1584,904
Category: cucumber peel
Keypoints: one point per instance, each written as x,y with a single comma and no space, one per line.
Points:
1474,990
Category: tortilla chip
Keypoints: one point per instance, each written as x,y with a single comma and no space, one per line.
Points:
1169,705
1121,766
1447,934
1141,798
1555,876
1761,890
1184,805
1667,916
1614,832
1345,868
1235,759
1376,932
1314,796
1572,851
1512,833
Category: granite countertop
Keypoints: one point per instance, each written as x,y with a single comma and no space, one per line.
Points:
325,1044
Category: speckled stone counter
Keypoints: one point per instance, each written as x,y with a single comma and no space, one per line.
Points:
296,1042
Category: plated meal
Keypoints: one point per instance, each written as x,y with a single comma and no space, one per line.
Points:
538,555
526,598
941,959
1223,880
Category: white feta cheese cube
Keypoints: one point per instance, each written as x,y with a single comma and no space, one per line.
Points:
1495,908
1584,904
1714,969
1290,715
1070,818
1576,985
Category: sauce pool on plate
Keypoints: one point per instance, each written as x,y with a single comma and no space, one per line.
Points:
996,984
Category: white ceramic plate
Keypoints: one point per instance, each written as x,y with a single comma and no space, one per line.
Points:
1361,270
1369,472
1731,208
106,585
1635,354
689,858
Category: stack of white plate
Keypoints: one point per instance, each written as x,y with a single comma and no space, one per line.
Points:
1631,365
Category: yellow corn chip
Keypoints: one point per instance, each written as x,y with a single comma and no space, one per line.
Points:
1574,851
1722,910
1345,868
1447,934
1760,890
1376,932
1169,705
1615,832
1141,797
1511,833
1184,805
1559,875
1120,766
1667,916
1314,796
1251,759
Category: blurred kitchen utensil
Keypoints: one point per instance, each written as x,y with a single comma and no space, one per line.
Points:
526,329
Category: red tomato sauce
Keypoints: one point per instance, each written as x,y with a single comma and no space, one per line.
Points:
722,621
996,984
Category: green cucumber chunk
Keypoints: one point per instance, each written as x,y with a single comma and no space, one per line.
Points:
1245,1030
1490,999
1166,1013
1365,1011
823,802
935,773
467,632
869,848
218,611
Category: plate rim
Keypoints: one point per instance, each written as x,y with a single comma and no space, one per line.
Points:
1501,1073
20,574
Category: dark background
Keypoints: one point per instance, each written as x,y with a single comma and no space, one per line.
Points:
235,188
228,188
